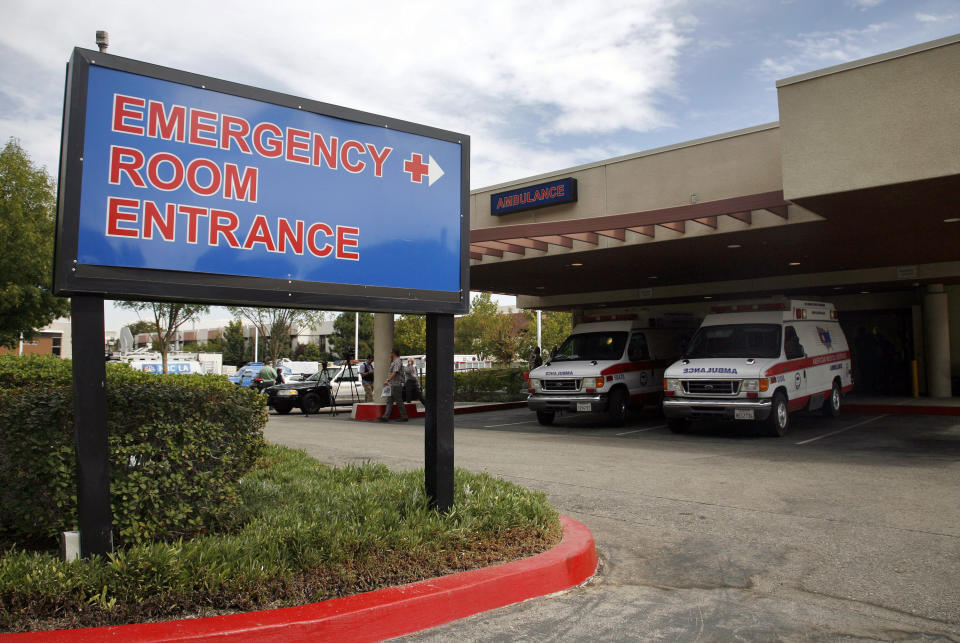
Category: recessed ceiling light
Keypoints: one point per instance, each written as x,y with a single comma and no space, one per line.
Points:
864,292
951,220
794,263
576,264
707,297
539,287
652,277
734,245
838,287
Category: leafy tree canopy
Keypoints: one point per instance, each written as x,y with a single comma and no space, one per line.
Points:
410,334
142,326
27,217
343,334
275,325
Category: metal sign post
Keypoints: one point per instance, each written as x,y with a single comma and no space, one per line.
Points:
90,426
438,422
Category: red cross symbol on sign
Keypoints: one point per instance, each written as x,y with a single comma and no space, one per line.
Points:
416,168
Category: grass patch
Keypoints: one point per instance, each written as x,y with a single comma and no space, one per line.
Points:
304,532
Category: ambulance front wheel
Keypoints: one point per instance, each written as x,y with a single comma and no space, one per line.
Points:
831,405
779,420
617,407
545,417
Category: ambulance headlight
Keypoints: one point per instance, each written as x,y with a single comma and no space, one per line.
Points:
534,383
755,386
672,385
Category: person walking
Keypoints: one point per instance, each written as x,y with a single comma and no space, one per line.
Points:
366,376
395,381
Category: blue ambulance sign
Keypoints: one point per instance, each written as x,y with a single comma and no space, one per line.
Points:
181,187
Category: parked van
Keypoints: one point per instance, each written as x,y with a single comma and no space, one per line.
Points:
760,361
608,366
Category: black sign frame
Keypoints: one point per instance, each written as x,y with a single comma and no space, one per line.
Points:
114,282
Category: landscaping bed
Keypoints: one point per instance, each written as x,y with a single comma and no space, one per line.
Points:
303,532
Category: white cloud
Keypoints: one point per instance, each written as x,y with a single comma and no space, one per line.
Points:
864,5
933,17
820,49
581,68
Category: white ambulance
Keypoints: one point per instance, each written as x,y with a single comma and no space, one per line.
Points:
759,361
607,364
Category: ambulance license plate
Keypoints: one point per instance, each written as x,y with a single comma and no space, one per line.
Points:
583,406
742,414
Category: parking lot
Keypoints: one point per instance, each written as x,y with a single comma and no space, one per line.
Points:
843,528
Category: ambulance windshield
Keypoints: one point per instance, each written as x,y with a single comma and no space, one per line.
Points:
591,346
735,340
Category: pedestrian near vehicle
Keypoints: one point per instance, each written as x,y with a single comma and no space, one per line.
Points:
366,377
411,391
395,381
536,359
268,376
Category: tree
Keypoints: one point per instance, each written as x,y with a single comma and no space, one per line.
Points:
142,326
27,215
488,333
234,344
167,318
343,334
555,327
410,334
275,325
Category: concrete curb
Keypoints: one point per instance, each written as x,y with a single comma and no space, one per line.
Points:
378,615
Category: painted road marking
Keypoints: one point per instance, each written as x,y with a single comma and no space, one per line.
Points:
853,426
493,426
651,428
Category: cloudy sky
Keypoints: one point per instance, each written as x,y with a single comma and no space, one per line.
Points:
538,85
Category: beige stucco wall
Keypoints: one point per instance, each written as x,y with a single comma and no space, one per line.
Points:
720,167
885,120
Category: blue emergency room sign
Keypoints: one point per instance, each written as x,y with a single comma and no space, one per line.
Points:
198,183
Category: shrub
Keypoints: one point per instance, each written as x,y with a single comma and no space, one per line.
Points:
309,532
178,447
489,385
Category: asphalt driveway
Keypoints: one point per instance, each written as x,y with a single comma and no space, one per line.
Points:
846,528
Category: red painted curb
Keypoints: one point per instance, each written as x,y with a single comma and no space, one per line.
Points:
372,410
378,615
902,409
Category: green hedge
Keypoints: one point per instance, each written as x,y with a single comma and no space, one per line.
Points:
490,385
308,532
179,445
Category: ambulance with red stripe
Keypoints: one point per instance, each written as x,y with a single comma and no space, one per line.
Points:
760,361
608,364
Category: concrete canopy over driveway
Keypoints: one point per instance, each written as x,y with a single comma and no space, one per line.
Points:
857,178
847,528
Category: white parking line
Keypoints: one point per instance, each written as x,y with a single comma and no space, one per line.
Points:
493,426
852,426
650,428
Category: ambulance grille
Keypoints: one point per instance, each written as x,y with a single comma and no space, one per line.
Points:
561,385
711,387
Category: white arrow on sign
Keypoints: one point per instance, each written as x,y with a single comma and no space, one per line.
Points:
435,171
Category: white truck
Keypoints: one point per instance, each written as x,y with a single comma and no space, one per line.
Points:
760,361
607,365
